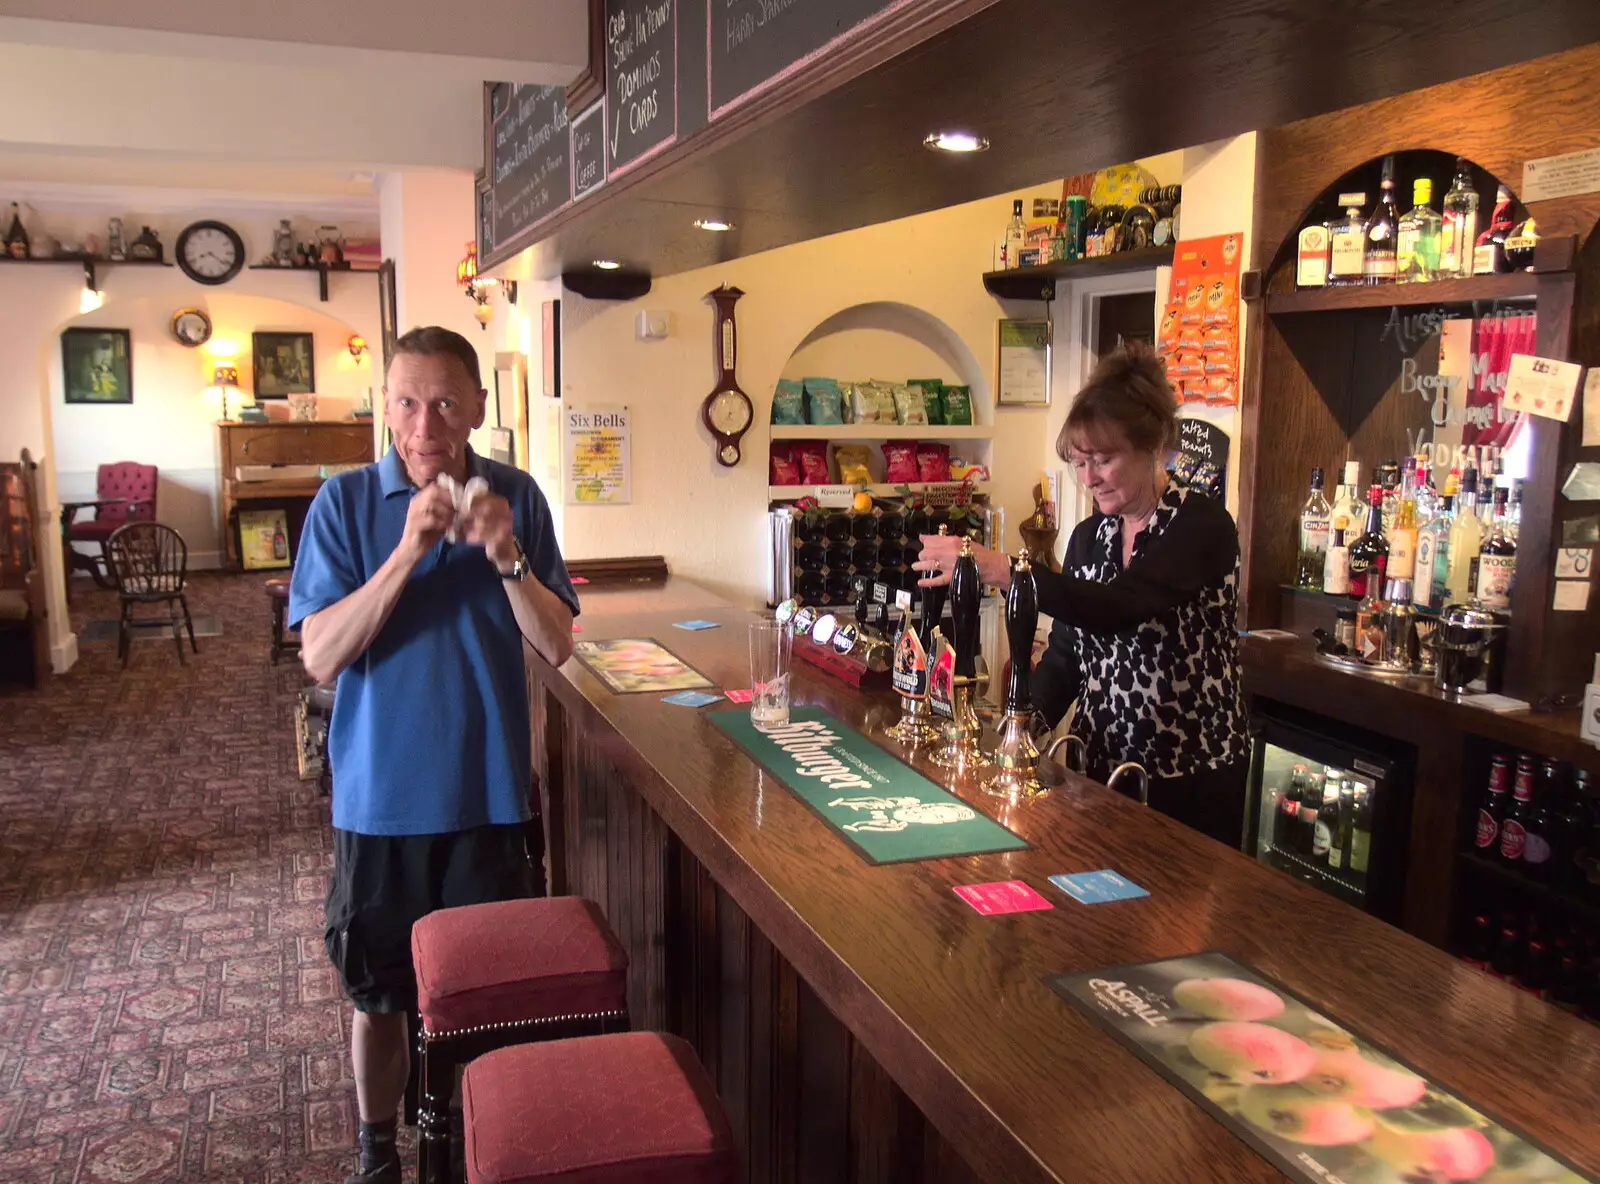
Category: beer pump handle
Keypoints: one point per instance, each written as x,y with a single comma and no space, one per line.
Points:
966,592
863,600
933,600
1022,622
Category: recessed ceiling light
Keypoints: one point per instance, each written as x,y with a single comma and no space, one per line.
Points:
956,142
607,264
716,225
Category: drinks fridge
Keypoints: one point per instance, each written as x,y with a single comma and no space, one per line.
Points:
1332,810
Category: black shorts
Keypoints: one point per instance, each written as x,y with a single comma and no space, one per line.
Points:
383,884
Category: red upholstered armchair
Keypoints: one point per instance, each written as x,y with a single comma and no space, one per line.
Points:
124,492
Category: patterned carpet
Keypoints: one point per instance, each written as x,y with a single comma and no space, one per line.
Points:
167,1012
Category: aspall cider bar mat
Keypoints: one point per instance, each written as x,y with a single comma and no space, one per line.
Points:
1318,1100
878,804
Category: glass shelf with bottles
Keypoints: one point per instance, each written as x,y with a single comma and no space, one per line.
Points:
1400,550
1356,237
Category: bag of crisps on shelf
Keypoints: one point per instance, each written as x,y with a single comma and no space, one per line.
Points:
957,406
788,402
785,470
1222,390
933,395
910,407
933,462
824,401
852,462
812,456
900,462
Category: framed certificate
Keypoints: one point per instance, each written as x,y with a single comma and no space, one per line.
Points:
1022,363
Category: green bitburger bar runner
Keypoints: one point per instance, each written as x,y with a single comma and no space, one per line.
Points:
881,806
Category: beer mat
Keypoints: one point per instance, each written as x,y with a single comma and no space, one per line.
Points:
1099,887
691,699
638,665
695,626
1310,1094
1001,897
739,696
871,799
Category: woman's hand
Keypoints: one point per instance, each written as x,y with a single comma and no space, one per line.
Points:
939,555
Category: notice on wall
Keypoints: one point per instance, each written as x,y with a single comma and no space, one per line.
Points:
531,173
756,42
589,150
598,465
641,79
1561,176
1199,331
1542,386
1201,461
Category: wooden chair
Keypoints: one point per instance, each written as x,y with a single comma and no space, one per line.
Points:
150,563
24,623
123,492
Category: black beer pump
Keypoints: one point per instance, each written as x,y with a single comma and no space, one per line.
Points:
962,731
1016,755
913,650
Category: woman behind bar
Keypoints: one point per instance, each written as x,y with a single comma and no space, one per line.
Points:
1144,636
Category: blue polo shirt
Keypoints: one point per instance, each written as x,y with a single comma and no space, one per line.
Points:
430,730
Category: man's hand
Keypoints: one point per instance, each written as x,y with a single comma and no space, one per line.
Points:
488,525
427,518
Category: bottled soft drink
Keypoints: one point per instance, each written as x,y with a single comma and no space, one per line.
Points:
1327,815
1493,809
1286,827
1514,830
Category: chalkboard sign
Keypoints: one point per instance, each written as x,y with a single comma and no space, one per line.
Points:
1201,461
589,150
755,42
531,172
641,78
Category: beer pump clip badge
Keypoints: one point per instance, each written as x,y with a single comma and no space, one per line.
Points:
941,677
910,675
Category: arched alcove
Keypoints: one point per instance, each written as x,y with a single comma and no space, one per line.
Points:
892,341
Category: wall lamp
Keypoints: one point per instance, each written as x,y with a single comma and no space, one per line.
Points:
478,288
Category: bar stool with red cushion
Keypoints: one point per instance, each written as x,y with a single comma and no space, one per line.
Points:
634,1108
505,973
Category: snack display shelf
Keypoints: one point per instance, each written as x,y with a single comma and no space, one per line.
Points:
880,431
792,492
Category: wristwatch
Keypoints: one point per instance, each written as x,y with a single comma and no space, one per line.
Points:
520,568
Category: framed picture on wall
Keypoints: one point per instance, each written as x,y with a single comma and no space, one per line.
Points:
1022,363
97,365
550,321
284,364
386,310
501,447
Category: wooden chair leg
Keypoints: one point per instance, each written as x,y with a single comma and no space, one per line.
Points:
100,569
188,621
123,627
177,635
433,1112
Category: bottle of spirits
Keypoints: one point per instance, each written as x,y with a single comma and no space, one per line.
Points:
1422,489
1417,243
1369,554
1016,235
1371,614
1433,556
1489,252
1403,533
1388,478
1497,562
1311,258
1348,242
1314,519
1520,244
1514,511
1398,622
1460,224
16,235
1466,536
1353,505
1336,564
1379,258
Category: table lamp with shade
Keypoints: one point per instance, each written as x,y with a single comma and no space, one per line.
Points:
225,380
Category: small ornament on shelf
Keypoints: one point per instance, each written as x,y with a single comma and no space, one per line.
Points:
116,247
1039,530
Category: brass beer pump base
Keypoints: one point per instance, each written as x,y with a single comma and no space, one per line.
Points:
1017,759
913,727
961,750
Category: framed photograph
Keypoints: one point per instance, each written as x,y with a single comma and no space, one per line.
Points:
501,446
386,310
97,365
1022,363
550,322
284,365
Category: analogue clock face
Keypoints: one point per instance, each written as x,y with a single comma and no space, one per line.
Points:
730,412
210,254
729,454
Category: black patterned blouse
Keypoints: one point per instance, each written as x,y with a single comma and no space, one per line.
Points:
1150,652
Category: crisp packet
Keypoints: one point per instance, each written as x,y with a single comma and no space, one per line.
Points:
788,402
785,469
909,406
900,462
852,463
957,405
933,395
824,401
812,456
933,462
863,403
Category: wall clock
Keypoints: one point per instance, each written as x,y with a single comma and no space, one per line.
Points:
191,327
210,252
727,411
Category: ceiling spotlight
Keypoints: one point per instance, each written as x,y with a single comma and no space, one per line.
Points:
716,225
607,264
956,142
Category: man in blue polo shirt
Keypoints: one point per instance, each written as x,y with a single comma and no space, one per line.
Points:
429,740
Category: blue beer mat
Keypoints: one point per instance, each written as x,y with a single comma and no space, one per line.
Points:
691,699
696,625
1097,887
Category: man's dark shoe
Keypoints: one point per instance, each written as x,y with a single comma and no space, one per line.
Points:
380,1158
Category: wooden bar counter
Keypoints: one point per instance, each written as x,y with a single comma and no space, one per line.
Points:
864,1024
